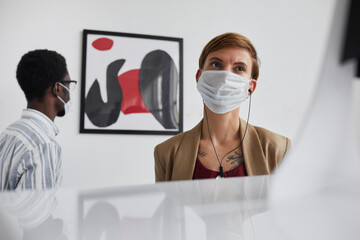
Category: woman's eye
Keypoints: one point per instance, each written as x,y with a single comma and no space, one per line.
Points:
216,65
241,69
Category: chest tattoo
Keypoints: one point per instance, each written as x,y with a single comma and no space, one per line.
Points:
202,154
235,159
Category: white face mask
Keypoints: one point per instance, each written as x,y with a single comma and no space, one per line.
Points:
222,91
68,104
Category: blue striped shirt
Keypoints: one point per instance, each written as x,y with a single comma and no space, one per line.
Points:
30,158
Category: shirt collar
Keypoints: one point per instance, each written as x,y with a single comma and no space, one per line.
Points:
49,125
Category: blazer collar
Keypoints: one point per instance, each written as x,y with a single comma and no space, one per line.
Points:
255,160
185,160
186,155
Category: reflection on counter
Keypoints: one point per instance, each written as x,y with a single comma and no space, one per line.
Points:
203,209
232,208
28,215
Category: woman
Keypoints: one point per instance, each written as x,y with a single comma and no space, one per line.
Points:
222,144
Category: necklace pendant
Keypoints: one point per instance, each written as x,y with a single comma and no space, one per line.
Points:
218,177
221,172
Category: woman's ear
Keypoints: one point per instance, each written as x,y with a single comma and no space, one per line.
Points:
252,86
198,74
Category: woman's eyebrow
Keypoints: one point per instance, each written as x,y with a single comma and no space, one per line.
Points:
240,63
215,58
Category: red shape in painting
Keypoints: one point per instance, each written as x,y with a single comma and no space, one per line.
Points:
103,44
132,101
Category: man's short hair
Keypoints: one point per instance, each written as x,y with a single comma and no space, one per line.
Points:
38,70
227,40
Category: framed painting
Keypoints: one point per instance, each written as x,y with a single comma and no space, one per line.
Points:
131,83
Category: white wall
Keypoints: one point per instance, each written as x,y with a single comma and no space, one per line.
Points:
290,39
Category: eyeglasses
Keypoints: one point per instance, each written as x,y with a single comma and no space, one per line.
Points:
71,84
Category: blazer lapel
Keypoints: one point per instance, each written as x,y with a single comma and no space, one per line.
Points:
185,159
255,160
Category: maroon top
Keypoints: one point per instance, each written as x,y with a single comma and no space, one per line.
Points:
202,172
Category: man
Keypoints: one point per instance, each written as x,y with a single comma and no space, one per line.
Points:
30,158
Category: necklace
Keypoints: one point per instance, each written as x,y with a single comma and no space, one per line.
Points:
221,171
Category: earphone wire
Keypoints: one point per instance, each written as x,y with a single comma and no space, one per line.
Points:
247,123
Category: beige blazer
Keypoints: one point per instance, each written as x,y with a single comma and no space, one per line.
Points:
175,158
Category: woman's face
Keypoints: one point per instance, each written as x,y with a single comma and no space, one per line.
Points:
235,60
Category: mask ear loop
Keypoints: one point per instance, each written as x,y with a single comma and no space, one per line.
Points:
68,89
54,91
57,89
